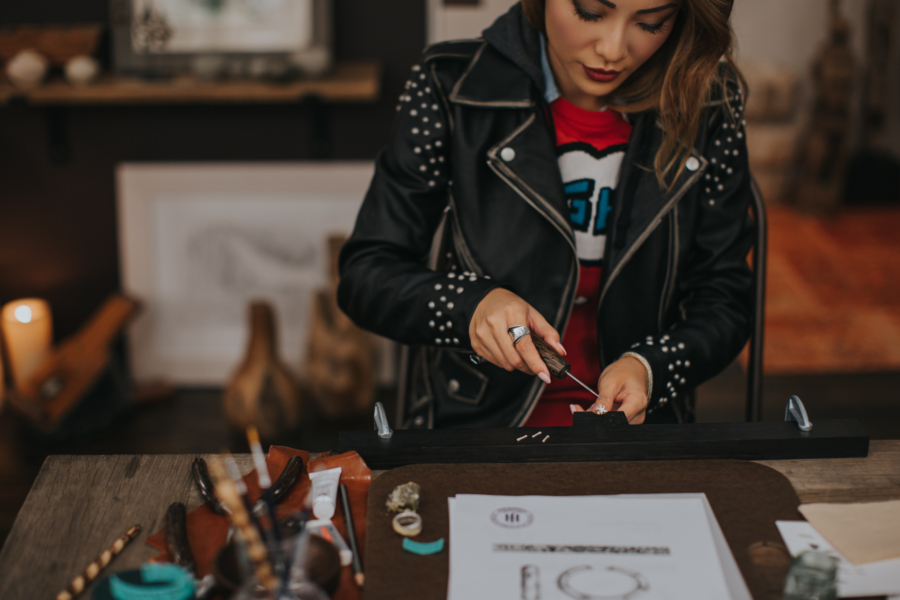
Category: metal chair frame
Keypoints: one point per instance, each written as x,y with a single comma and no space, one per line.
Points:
757,338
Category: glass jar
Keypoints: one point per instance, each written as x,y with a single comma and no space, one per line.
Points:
813,576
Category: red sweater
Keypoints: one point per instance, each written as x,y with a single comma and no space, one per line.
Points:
590,149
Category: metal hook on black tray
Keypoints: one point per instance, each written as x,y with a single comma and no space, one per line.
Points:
795,411
381,422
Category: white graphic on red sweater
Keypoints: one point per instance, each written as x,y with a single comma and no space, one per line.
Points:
589,177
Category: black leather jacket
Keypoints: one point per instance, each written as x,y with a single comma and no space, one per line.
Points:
470,179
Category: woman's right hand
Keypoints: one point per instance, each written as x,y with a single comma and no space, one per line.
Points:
499,310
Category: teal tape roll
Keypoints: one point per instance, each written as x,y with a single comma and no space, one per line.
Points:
160,581
423,548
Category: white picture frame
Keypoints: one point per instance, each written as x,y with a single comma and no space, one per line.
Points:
460,21
240,39
230,26
199,241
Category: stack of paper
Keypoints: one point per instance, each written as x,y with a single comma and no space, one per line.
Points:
873,579
863,532
637,547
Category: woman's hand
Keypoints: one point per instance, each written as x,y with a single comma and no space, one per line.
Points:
623,386
499,310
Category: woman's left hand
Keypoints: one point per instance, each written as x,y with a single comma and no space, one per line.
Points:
623,387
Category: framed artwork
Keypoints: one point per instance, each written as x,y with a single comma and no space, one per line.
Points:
461,19
243,38
199,242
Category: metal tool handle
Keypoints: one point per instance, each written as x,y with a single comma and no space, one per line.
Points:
555,362
205,485
176,537
288,478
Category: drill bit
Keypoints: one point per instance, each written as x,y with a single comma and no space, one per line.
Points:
582,384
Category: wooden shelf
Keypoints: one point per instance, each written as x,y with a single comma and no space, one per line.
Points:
348,82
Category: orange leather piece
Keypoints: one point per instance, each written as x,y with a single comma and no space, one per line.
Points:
207,530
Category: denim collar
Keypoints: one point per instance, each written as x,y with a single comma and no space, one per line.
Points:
551,93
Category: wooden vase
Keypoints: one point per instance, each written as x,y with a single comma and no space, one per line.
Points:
262,391
340,364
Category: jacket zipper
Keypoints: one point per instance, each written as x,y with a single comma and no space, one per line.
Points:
671,270
543,208
670,203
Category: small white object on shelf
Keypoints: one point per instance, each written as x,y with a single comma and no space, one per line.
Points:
314,61
27,69
81,70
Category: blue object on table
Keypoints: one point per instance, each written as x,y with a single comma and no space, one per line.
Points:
423,548
154,581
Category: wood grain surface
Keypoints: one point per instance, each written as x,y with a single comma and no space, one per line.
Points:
876,477
80,504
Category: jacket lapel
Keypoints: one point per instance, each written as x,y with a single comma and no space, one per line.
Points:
526,160
492,80
640,203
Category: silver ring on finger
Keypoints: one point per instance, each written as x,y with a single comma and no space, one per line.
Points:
518,332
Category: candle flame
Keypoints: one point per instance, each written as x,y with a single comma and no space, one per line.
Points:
23,314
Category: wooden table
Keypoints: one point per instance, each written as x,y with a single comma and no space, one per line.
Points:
80,504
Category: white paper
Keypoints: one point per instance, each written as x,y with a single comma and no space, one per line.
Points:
638,547
732,572
873,579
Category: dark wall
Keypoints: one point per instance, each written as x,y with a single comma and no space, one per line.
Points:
58,221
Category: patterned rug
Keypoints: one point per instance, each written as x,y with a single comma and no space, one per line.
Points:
833,294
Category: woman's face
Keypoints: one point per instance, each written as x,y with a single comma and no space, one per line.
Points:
594,45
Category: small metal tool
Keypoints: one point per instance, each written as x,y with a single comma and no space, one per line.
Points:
381,422
556,364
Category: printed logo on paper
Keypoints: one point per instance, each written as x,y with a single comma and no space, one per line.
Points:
512,517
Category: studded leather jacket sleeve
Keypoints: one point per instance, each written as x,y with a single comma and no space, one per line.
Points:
385,285
711,303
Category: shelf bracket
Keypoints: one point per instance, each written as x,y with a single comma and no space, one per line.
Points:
320,130
58,146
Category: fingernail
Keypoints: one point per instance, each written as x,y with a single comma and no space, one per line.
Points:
572,408
544,377
561,349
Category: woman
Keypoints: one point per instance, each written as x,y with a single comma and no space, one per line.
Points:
586,167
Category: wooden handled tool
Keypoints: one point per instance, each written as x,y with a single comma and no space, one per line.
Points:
176,537
90,573
558,366
205,486
228,494
291,474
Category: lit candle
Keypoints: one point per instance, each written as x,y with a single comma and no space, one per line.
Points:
2,379
28,332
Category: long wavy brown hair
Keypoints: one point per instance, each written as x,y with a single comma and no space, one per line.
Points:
678,79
